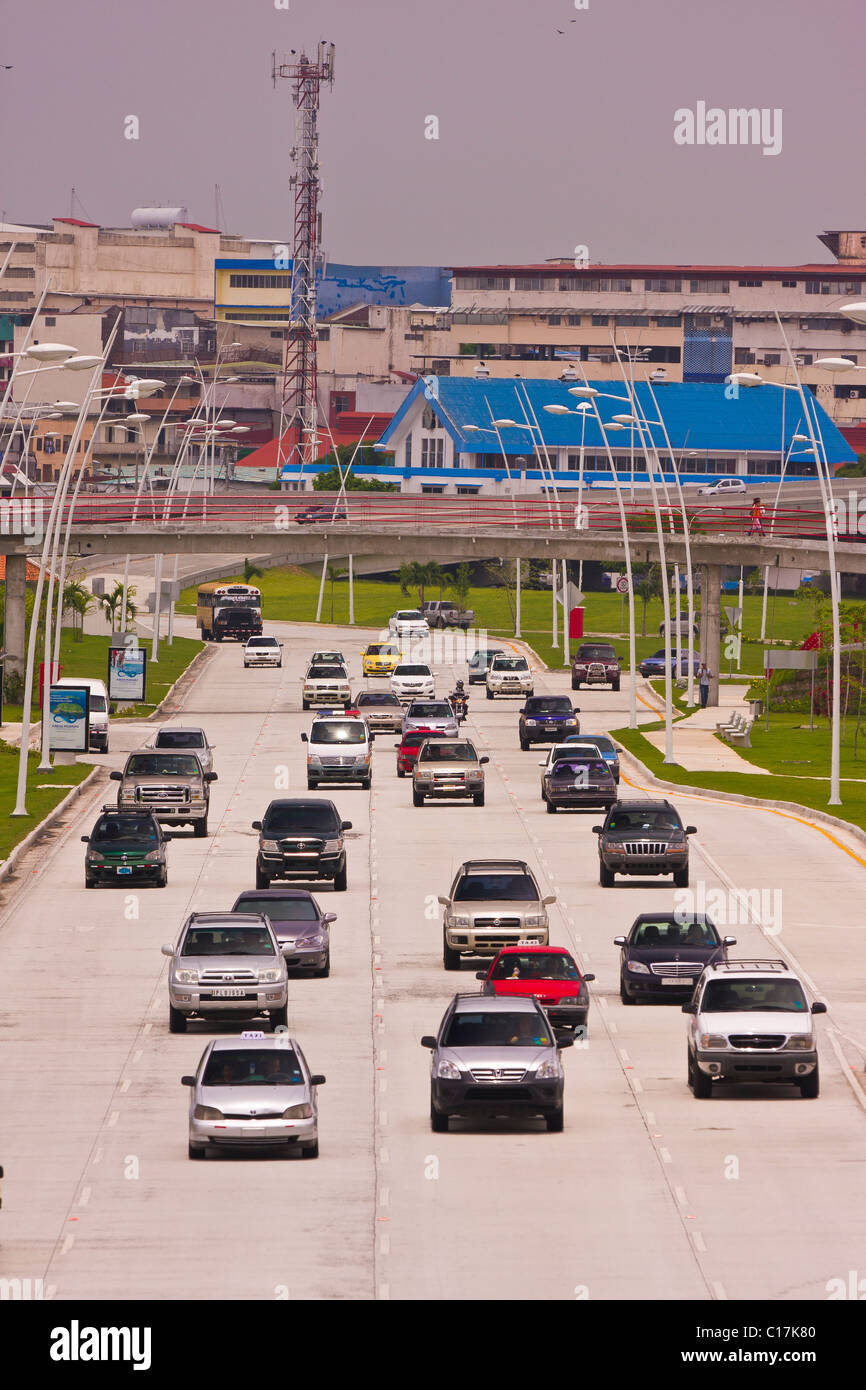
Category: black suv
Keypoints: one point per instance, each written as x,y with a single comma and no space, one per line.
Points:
664,953
125,845
547,719
301,838
643,838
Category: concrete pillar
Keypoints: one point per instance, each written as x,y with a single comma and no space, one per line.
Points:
15,633
711,612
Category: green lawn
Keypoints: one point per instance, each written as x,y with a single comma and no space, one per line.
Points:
39,802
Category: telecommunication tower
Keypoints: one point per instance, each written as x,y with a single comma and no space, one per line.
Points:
299,435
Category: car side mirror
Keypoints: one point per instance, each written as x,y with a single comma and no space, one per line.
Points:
304,738
443,901
330,917
690,1008
287,950
427,1041
576,709
597,829
167,949
729,941
345,825
543,763
485,759
317,1079
589,978
619,941
691,830
115,776
211,777
551,898
481,974
819,1008
85,839
257,825
187,1081
567,1040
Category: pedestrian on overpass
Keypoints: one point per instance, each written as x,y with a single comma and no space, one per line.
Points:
757,522
704,675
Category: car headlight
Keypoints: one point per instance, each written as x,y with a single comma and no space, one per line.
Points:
676,848
270,846
315,758
475,776
95,857
268,977
537,919
549,1071
459,921
207,1112
447,1071
531,723
713,1040
568,722
568,999
423,776
313,938
187,977
304,1111
332,846
638,967
803,1044
153,857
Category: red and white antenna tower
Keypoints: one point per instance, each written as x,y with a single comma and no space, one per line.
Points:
299,436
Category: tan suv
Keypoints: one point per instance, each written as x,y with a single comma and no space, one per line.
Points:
448,767
492,903
174,786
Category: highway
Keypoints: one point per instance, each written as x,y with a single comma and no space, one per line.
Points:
647,1194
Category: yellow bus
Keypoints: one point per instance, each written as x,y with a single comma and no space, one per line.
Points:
228,611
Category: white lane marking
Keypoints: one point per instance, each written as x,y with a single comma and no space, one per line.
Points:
612,1028
636,1086
112,1119
604,1002
650,1119
680,1194
97,1157
383,1084
136,1056
665,1155
385,1197
124,1087
383,1119
68,1242
625,1057
50,1291
147,1027
719,1291
380,1004
699,1241
384,1293
85,1196
384,1156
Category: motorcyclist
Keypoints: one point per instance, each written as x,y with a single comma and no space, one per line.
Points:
459,700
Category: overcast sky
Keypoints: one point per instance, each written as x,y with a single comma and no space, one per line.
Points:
546,140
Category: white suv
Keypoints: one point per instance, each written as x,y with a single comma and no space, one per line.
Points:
339,750
751,1021
509,675
326,685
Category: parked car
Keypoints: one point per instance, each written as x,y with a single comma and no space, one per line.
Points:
411,679
722,487
595,663
547,973
643,838
575,780
655,665
381,709
339,750
433,716
320,515
751,1021
479,664
509,675
605,746
441,613
98,706
448,767
379,658
495,1057
179,737
299,924
226,965
546,718
125,847
300,838
252,1092
174,786
683,629
408,623
492,903
408,747
326,685
665,952
263,651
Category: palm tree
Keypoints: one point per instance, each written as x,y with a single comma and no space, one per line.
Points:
251,571
416,575
111,605
647,586
78,598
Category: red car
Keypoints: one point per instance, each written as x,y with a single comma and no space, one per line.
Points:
407,748
548,972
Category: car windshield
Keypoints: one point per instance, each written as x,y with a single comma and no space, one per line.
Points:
549,704
604,745
410,617
598,652
376,697
665,931
349,732
326,658
97,704
280,909
753,996
496,1030
448,753
136,830
535,966
171,738
163,765
510,663
577,767
250,1066
430,709
412,671
644,820
415,737
262,642
311,816
318,673
506,887
227,940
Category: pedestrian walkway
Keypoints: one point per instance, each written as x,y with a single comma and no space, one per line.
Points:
696,748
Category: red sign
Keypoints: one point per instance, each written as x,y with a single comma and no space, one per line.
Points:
55,676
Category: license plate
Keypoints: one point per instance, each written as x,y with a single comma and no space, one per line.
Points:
251,1132
229,993
550,728
683,984
124,869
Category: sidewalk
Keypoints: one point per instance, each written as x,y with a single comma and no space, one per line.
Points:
696,747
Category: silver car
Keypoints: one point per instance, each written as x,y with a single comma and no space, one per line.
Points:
381,710
253,1091
437,716
226,965
174,786
448,767
493,903
493,1056
178,738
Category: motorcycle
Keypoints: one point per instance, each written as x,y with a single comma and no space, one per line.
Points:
460,704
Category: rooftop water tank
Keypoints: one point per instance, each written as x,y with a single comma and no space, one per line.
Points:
146,218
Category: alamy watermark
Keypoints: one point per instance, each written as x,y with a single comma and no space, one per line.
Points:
735,126
734,907
22,516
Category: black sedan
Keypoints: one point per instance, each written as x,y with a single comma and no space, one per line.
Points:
298,921
665,952
547,719
578,780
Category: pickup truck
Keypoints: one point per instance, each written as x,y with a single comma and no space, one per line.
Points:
440,613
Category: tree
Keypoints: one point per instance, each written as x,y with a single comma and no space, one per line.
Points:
78,599
460,585
415,575
647,585
251,571
330,480
111,605
334,573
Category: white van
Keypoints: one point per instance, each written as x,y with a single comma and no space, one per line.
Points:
98,709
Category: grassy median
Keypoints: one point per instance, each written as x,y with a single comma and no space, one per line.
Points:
44,791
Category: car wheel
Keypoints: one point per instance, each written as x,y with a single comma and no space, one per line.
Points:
195,1151
279,1018
305,704
162,881
450,957
551,809
490,694
701,1085
176,1021
417,798
524,745
262,879
681,877
341,880
810,1085
89,882
366,783
615,686
606,877
326,968
556,1121
200,828
310,1150
438,1123
478,799
624,996
312,784
575,685
530,694
400,772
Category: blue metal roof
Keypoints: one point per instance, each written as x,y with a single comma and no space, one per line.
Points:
698,416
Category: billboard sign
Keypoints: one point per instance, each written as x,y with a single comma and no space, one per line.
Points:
68,718
127,673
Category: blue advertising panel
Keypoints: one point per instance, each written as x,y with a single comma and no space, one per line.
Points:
68,719
127,673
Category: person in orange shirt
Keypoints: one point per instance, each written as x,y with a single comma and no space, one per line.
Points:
757,521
